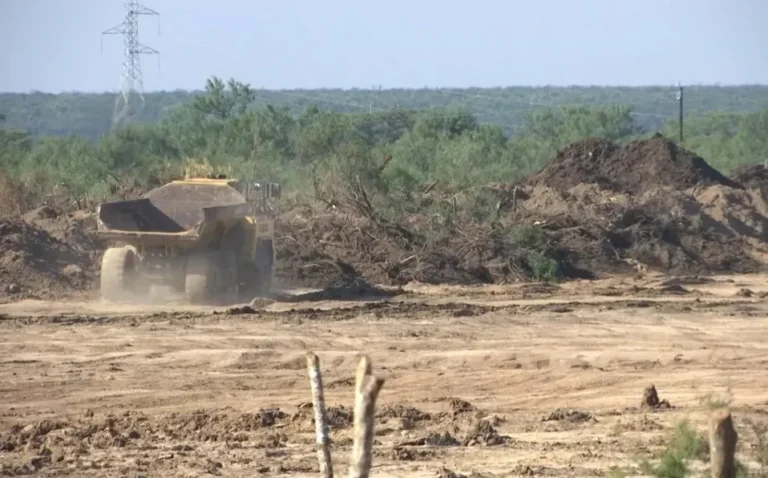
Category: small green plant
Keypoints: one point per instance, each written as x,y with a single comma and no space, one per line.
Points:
688,442
617,429
543,268
527,237
671,465
530,245
743,472
685,444
617,472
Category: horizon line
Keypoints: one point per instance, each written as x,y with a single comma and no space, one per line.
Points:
402,88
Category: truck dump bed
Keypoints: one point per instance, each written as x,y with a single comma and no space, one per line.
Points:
172,212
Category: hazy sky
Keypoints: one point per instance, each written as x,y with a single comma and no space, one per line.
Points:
55,45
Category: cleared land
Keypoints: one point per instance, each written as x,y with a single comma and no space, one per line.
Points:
498,380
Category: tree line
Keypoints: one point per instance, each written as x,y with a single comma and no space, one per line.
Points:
90,114
309,146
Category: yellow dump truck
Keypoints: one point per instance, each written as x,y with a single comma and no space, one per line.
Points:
210,238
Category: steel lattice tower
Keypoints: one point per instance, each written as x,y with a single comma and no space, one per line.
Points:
131,82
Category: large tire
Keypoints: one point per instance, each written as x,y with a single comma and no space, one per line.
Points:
200,280
118,273
211,277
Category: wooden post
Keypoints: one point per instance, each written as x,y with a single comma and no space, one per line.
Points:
367,389
363,370
321,421
722,445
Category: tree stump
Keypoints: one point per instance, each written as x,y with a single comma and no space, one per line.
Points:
722,445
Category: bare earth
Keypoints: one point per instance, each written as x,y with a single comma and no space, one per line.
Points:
554,375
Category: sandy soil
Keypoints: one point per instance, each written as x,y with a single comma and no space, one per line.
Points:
558,373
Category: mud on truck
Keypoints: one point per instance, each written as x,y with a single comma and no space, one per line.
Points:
208,238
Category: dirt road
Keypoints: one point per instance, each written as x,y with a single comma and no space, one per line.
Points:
559,372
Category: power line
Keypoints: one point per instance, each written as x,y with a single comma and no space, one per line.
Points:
131,81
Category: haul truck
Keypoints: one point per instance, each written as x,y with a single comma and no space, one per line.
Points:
210,238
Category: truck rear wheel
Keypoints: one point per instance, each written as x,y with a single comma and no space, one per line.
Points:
211,277
200,278
118,273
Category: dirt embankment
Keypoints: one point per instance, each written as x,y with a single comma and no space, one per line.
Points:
649,204
596,208
47,254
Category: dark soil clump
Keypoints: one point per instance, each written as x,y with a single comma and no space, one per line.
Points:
564,414
433,439
399,411
651,399
338,417
458,406
484,434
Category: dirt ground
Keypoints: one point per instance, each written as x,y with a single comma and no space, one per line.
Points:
496,380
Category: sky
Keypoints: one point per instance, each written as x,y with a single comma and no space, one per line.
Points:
56,45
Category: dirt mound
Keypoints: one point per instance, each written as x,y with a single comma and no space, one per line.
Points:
406,413
433,439
75,228
577,163
663,229
458,406
44,255
751,176
484,434
632,168
566,414
338,418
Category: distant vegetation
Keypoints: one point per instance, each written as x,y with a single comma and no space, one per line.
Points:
87,114
62,144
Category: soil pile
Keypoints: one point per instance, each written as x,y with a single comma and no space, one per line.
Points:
751,176
46,254
632,168
713,229
647,205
